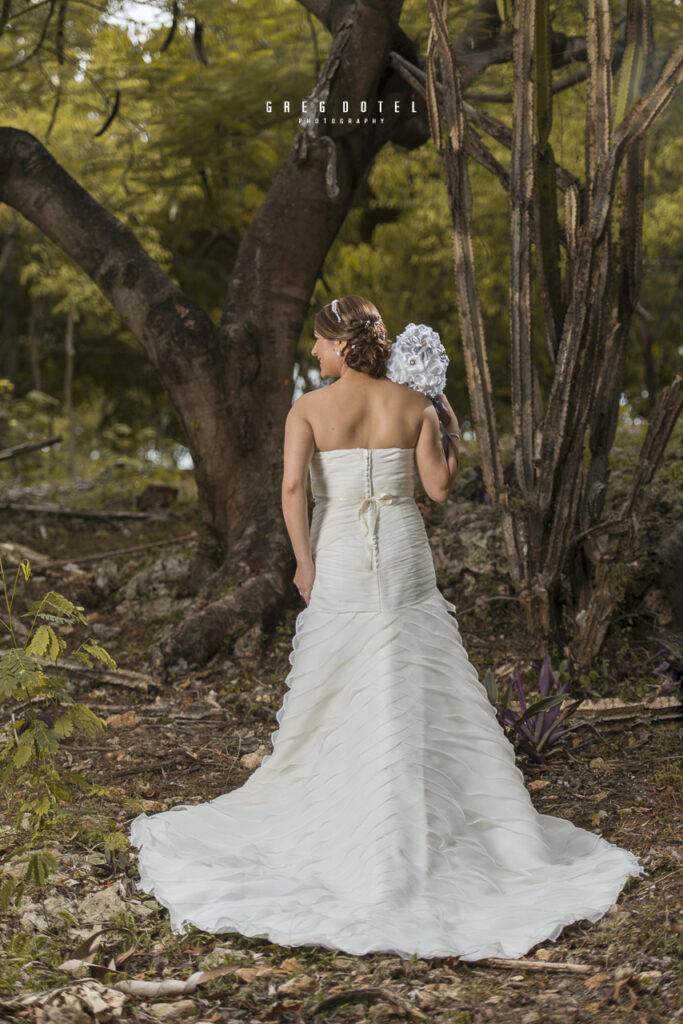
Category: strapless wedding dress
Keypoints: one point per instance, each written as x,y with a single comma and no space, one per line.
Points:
391,815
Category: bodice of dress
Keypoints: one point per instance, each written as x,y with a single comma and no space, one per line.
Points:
367,478
358,473
367,534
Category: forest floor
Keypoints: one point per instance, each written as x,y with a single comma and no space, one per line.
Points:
205,731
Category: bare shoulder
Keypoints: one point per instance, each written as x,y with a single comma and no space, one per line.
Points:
402,392
304,404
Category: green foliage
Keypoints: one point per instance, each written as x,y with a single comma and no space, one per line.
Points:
102,441
39,711
191,153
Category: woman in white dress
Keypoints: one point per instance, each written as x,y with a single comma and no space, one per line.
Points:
391,815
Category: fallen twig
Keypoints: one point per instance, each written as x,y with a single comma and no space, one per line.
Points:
536,965
114,677
172,986
79,513
366,995
30,446
99,556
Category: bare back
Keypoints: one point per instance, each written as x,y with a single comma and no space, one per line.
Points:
370,413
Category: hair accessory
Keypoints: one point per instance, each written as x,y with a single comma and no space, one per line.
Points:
335,303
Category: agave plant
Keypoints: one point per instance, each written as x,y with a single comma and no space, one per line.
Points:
536,726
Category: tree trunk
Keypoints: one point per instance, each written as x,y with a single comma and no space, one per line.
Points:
69,351
34,345
558,522
8,276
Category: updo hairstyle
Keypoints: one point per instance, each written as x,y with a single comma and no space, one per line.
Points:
362,327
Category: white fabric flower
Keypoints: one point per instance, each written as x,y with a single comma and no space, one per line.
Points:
418,359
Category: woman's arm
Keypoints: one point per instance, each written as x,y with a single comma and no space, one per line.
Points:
437,470
298,450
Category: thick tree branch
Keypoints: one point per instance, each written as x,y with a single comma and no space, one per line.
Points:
322,9
41,190
521,207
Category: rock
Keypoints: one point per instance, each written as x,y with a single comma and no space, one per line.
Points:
249,644
104,632
53,905
105,578
544,954
252,761
649,979
76,968
141,909
101,906
32,920
173,1011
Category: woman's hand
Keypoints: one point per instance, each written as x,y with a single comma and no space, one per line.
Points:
303,580
452,425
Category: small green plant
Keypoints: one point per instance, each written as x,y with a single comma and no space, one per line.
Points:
38,712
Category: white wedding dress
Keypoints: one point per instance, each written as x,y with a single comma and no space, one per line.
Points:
391,816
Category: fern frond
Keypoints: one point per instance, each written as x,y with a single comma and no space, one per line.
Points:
46,644
54,607
18,670
92,647
39,867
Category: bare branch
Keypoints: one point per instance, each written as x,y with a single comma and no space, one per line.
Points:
41,39
660,423
322,9
150,303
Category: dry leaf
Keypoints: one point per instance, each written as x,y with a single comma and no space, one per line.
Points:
128,720
247,973
296,986
596,980
88,1000
291,964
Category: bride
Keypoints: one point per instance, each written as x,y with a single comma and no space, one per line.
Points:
361,410
391,815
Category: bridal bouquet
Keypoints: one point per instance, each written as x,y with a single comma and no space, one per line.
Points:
418,360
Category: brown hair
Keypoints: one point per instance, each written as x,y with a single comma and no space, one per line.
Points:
362,327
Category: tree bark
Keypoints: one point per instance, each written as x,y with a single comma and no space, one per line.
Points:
69,351
559,517
34,345
8,276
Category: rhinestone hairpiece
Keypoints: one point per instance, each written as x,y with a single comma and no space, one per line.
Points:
335,303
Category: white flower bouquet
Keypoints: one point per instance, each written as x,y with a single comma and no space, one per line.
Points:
419,360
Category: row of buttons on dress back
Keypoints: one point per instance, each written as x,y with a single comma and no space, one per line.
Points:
368,494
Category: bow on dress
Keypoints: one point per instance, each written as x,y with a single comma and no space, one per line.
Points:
368,510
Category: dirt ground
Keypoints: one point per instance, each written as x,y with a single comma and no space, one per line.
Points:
205,731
